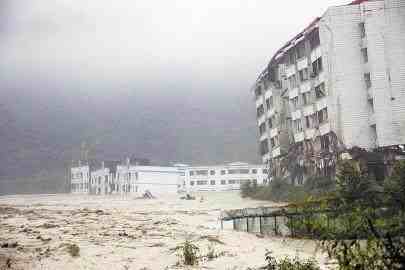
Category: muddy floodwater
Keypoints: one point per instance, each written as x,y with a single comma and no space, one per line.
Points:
114,232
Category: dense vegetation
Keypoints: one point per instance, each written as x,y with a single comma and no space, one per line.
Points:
281,190
360,221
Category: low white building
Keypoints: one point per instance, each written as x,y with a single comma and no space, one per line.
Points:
125,178
135,179
223,177
80,176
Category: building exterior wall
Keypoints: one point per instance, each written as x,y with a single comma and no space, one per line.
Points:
223,178
359,64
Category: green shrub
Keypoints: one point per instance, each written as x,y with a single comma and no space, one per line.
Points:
188,253
289,264
73,250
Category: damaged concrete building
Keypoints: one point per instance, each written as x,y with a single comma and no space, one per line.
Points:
336,90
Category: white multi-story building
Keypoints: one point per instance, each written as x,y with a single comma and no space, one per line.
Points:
126,178
338,84
223,177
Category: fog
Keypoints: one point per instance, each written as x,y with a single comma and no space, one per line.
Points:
165,80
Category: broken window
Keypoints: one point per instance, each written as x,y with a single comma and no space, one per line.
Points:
314,39
238,171
306,98
262,128
371,105
274,142
260,110
202,172
317,67
364,53
320,90
293,81
294,103
308,122
323,115
264,147
362,29
202,182
303,73
367,79
270,123
298,125
258,91
269,103
301,49
325,142
291,57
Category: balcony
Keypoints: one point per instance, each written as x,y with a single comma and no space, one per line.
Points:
302,63
273,132
320,104
363,42
259,102
268,94
263,136
290,70
271,112
371,119
316,53
299,137
308,110
261,119
370,93
296,115
305,87
276,152
309,133
293,93
324,128
320,78
265,157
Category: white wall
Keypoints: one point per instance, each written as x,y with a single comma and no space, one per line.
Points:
347,102
157,180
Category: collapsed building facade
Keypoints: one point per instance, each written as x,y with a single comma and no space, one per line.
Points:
335,91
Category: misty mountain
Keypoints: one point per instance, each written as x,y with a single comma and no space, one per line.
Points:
44,122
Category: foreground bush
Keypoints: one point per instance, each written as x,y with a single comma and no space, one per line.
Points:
289,264
188,253
371,220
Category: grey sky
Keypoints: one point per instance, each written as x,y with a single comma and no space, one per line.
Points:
203,40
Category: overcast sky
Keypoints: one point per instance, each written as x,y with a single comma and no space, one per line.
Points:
209,41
